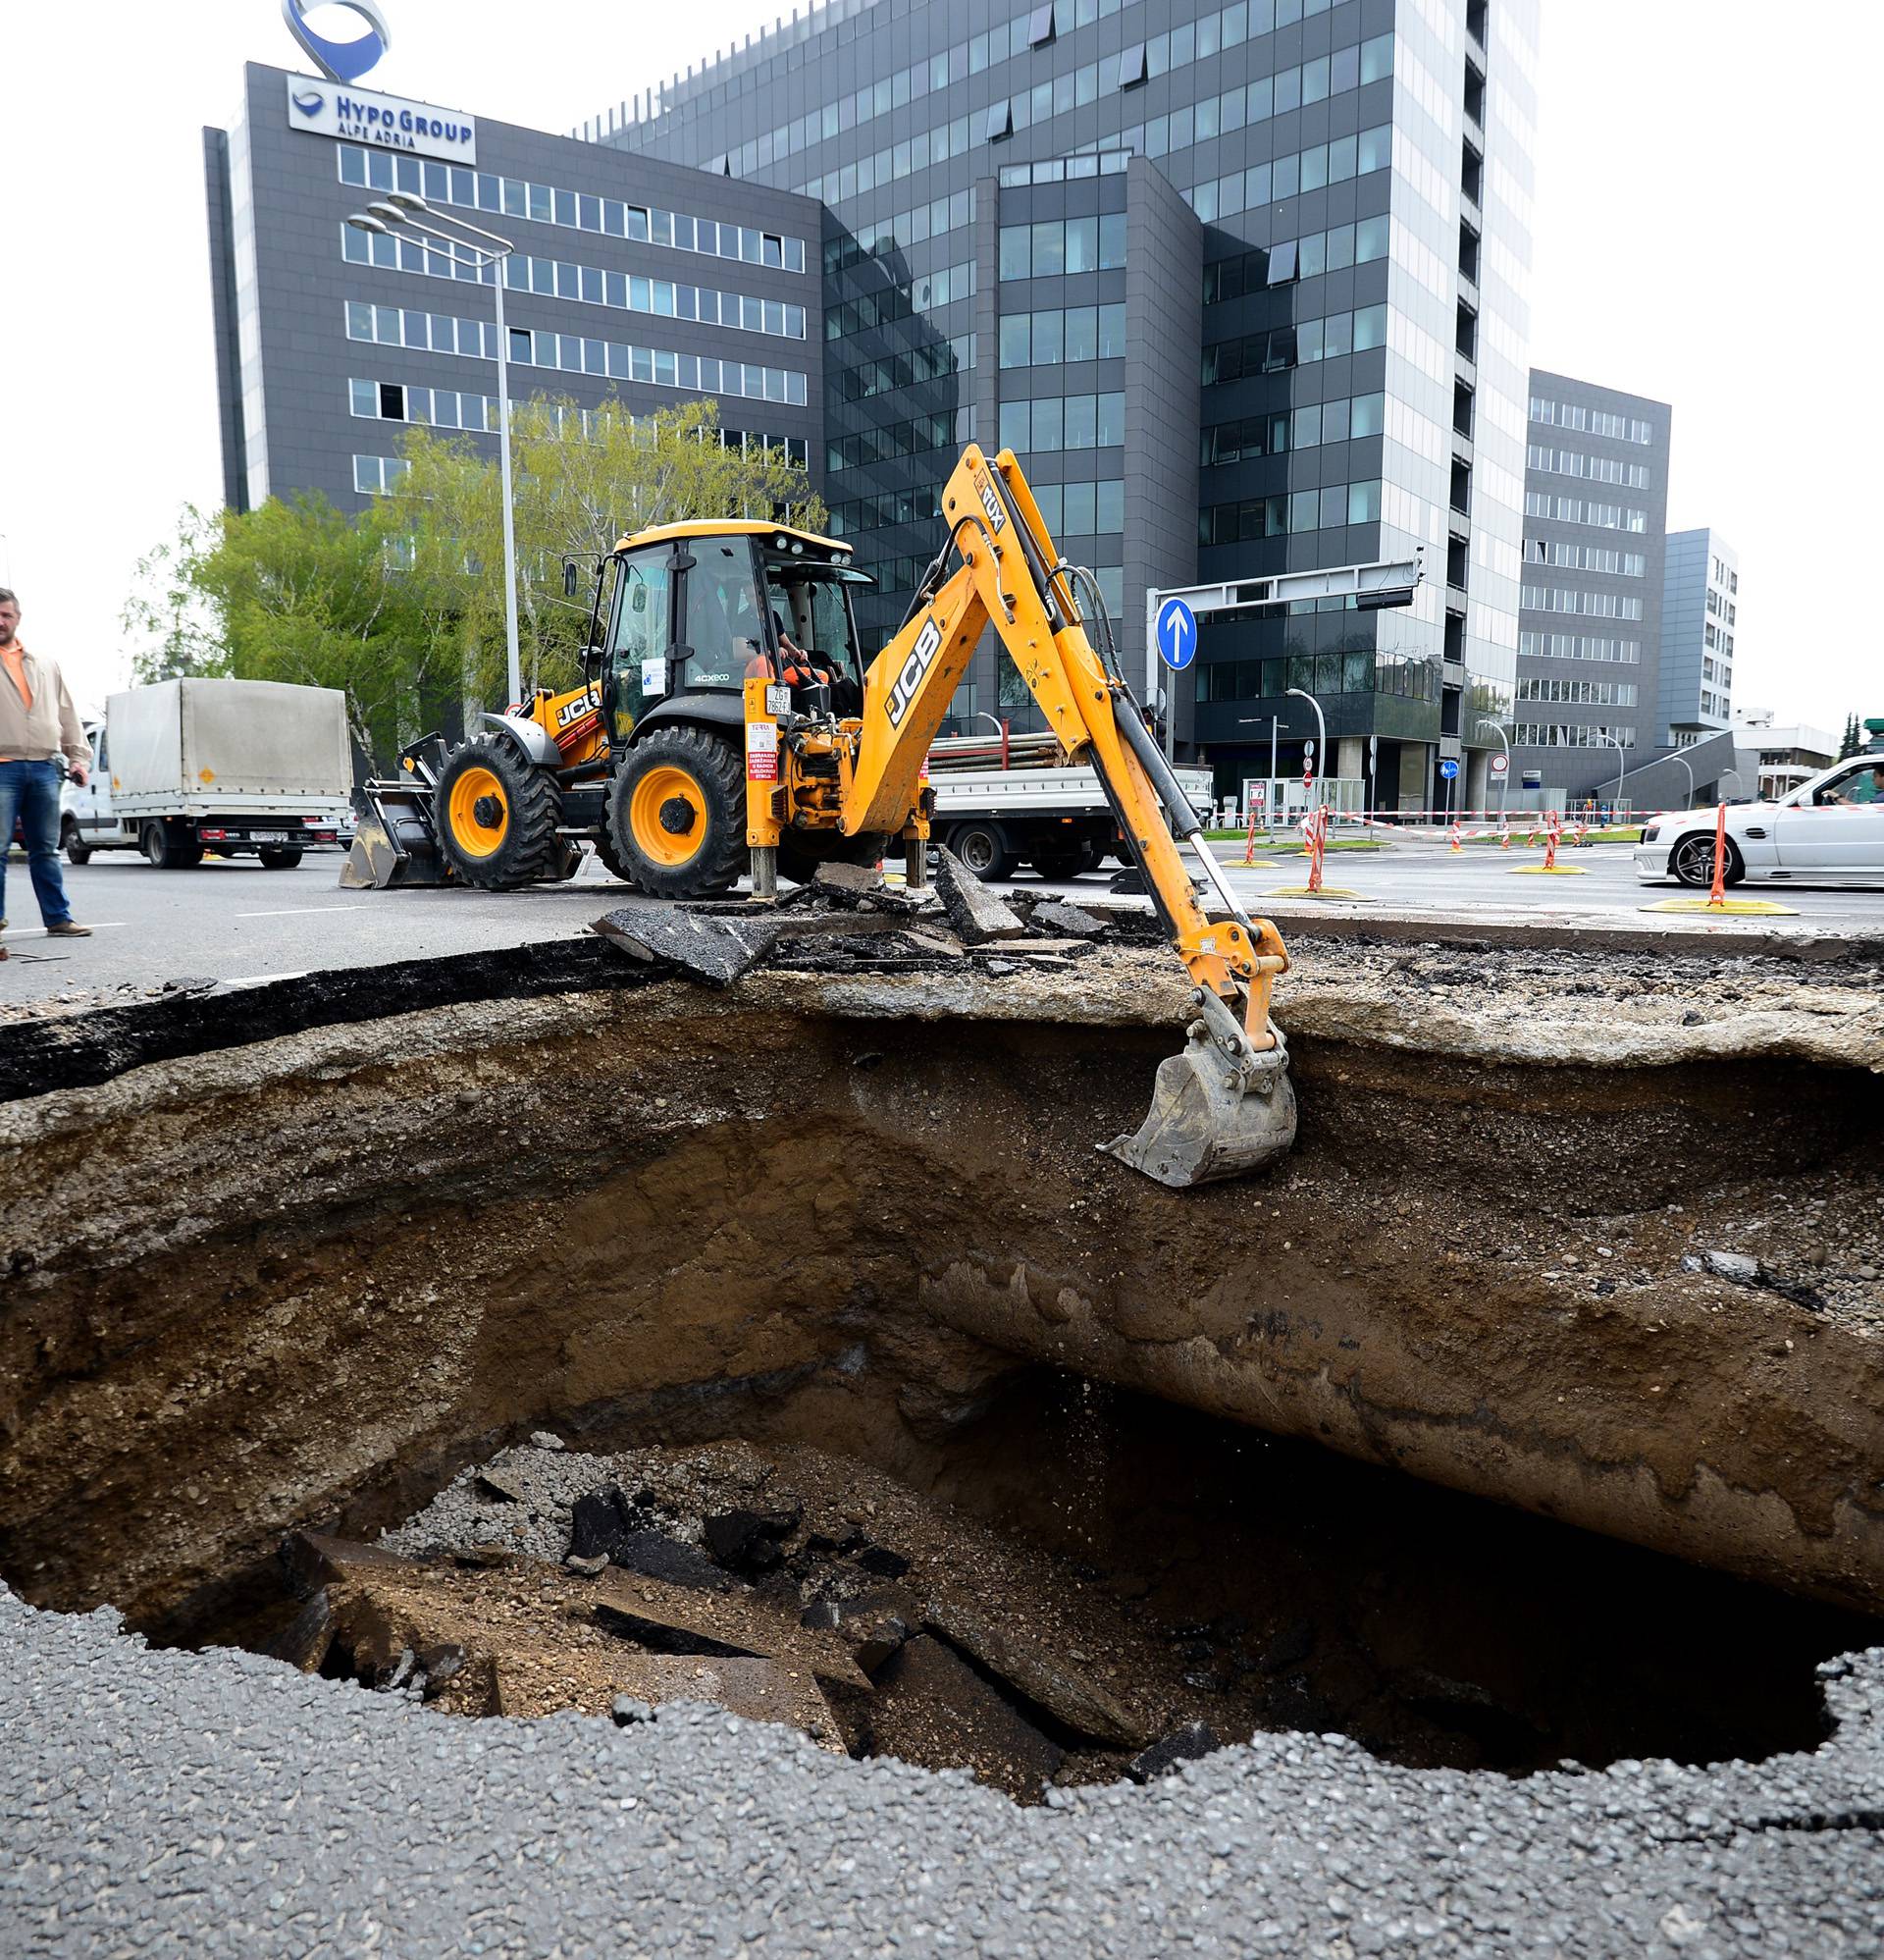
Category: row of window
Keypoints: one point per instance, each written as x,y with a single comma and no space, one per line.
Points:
1575,510
610,217
913,437
1719,637
1596,604
1196,40
1348,420
1723,576
1599,693
1324,510
1064,422
1579,646
1721,608
1598,421
1280,347
436,407
1286,175
1318,674
938,360
1059,245
1569,735
1598,469
876,238
1585,558
924,293
591,285
894,162
1333,250
573,354
858,515
1045,338
374,476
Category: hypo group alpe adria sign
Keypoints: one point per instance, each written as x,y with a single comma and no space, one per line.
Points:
354,116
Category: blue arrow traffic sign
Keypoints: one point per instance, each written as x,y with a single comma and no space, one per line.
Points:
1448,769
1177,634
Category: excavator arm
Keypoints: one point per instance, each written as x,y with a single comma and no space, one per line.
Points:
1225,1106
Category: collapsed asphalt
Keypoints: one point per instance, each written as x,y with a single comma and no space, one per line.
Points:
225,1804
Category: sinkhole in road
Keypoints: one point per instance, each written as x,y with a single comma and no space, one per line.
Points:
1076,1583
898,1413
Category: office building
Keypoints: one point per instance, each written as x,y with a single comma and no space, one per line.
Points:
1595,503
632,278
1244,287
1701,604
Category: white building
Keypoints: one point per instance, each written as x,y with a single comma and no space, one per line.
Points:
1699,604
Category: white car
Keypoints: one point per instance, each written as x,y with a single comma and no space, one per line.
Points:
1829,830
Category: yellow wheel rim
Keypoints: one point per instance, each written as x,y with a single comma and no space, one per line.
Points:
667,813
480,813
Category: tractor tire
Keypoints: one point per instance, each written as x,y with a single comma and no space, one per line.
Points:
76,851
677,812
801,852
613,860
1693,862
496,817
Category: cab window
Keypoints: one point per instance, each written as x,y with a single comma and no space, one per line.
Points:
638,649
722,631
810,606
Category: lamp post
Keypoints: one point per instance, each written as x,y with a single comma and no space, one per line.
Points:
1497,728
1622,764
408,209
1683,761
1321,724
1739,786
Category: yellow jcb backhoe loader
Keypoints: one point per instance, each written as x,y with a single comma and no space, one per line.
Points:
725,719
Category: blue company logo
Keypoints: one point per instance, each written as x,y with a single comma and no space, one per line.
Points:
340,61
312,102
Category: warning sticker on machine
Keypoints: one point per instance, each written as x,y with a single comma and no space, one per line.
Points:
761,751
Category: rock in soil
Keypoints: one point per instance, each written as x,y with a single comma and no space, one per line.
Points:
930,1707
1181,1745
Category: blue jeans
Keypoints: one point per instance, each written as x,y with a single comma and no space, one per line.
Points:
30,792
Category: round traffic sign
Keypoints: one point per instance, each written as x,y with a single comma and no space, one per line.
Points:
1177,634
1448,769
1501,765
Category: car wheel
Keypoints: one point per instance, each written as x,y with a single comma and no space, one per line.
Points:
276,859
167,852
1693,862
76,851
983,849
1058,866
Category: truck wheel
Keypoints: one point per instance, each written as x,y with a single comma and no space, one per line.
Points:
1692,860
76,852
276,859
801,852
1059,862
169,853
677,812
496,817
983,849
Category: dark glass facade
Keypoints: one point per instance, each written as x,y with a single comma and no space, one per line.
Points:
1312,352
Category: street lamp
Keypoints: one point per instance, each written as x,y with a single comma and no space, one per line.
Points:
1683,761
1622,764
1321,724
408,209
1497,728
1739,786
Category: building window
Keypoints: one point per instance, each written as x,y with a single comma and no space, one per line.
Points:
1131,66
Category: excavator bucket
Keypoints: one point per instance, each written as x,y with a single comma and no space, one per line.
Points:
395,844
1212,1117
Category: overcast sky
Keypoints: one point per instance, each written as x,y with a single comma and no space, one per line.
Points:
1705,235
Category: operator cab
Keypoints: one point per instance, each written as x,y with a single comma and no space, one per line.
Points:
700,608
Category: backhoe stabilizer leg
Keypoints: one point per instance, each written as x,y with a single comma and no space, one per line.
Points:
1220,1109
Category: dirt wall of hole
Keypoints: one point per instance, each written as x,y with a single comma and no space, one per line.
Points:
248,1287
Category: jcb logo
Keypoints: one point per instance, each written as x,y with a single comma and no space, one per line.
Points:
991,503
575,708
922,657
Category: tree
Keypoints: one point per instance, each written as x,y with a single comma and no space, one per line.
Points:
298,590
1853,741
582,480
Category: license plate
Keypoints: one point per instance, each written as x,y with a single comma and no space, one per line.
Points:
268,836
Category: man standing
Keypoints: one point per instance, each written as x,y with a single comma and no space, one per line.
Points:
37,725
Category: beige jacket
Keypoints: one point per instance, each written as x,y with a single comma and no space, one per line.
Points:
50,726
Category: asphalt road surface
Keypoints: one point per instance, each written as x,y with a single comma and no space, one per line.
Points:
233,920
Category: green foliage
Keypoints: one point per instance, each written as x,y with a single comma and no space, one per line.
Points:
401,606
1854,742
581,482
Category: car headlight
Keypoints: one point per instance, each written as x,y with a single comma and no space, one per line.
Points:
1649,835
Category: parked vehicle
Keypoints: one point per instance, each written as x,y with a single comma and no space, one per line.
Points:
1000,803
220,767
1829,830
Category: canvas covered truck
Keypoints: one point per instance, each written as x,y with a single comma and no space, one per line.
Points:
1013,801
189,769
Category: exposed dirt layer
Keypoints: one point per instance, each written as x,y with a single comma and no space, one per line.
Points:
261,1287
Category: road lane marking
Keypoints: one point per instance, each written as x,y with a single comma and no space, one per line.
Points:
301,911
263,979
39,931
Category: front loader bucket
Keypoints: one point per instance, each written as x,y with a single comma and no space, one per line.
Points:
1205,1123
393,845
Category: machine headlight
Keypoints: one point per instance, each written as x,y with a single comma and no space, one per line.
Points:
1653,831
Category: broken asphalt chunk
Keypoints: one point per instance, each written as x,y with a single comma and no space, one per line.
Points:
933,1708
1182,1745
846,885
1069,919
731,1624
973,909
710,947
1041,1676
